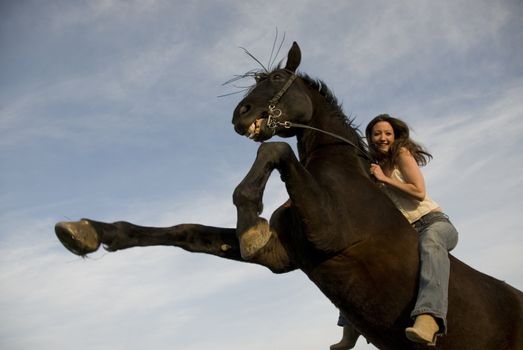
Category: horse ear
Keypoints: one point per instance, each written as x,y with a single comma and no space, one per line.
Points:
293,58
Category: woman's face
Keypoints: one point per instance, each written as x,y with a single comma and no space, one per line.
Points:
382,136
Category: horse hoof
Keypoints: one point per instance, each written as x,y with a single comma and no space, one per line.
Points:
78,237
254,239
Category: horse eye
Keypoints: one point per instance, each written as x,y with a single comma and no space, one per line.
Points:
259,77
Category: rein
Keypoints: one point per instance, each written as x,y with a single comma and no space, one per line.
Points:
275,113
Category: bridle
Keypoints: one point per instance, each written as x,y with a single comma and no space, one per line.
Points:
275,113
273,121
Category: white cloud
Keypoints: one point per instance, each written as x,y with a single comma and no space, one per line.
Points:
481,136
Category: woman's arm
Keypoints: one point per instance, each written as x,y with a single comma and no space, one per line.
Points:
414,185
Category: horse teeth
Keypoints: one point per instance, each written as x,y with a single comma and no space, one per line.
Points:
252,128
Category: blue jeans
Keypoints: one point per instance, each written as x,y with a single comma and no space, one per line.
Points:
437,236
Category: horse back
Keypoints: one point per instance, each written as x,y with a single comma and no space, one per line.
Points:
484,313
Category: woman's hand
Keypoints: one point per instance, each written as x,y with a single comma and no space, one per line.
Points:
378,173
414,185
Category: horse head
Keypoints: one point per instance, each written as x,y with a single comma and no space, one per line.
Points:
277,97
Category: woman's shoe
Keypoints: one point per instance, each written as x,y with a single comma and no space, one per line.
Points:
424,330
348,341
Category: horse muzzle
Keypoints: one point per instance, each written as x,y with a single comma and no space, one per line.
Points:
255,128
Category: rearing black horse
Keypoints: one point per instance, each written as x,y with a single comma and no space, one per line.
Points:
337,227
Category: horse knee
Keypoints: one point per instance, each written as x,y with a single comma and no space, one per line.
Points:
274,150
245,196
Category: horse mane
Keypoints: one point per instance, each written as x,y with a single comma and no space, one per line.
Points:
352,130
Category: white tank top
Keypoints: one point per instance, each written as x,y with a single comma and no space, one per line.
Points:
411,208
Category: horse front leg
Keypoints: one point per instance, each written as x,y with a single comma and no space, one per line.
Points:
85,236
253,231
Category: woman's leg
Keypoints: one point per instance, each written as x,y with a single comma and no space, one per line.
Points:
437,237
436,240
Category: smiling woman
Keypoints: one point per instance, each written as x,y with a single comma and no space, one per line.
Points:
398,159
382,136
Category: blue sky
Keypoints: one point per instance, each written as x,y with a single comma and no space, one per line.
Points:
109,110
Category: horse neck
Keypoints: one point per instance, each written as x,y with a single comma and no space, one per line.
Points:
328,118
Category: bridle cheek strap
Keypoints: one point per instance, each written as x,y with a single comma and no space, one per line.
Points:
275,113
288,83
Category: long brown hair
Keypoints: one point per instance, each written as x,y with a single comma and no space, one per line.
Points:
401,140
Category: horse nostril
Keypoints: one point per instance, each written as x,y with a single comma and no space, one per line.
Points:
239,130
244,109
